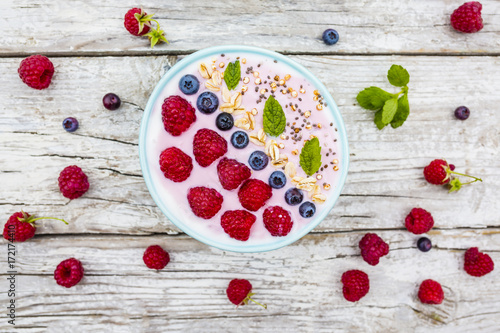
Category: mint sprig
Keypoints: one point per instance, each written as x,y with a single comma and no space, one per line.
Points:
310,157
274,117
390,108
232,74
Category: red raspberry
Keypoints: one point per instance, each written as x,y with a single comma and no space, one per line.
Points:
16,230
175,164
232,173
277,221
430,292
68,273
237,223
239,292
177,115
73,182
372,248
467,18
355,285
477,263
133,22
155,257
254,193
419,221
204,202
208,146
435,173
36,71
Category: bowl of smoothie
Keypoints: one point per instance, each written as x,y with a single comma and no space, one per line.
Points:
243,148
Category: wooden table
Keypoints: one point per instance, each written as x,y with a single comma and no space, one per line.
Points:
112,224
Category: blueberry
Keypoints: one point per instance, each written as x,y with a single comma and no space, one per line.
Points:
70,124
424,244
111,101
462,112
293,196
239,139
224,121
189,84
307,209
258,160
277,179
330,36
207,102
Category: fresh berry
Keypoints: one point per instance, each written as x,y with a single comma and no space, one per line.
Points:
175,164
477,263
435,173
430,292
239,292
189,84
177,115
224,121
207,102
452,167
240,139
467,18
462,113
307,209
137,22
355,285
70,124
293,196
419,221
237,223
277,179
277,221
111,101
424,244
155,257
21,226
258,160
254,193
232,173
208,146
204,202
69,272
330,36
373,248
73,182
36,71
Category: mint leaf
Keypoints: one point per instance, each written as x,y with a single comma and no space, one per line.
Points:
310,157
378,120
402,113
274,117
389,110
398,76
232,74
373,98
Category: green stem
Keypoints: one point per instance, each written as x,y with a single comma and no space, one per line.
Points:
47,218
462,174
263,305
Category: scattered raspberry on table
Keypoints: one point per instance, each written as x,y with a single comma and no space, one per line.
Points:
430,292
73,182
155,257
373,248
419,221
467,18
355,285
477,263
68,273
36,71
239,292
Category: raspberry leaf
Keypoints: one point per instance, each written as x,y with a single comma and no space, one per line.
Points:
389,110
310,157
402,112
232,75
398,76
274,117
373,98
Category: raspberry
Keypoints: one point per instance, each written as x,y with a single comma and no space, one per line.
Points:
232,173
237,223
355,285
419,221
73,182
239,292
204,202
254,193
372,248
477,263
467,18
435,173
175,164
68,273
177,115
208,146
36,71
155,257
21,226
135,23
277,221
430,292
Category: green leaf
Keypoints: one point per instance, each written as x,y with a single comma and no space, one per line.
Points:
274,117
455,185
398,76
232,74
373,98
378,120
310,157
389,110
402,113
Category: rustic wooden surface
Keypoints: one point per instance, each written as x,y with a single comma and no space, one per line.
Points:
112,224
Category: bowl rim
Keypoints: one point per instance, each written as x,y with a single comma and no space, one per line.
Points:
204,53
